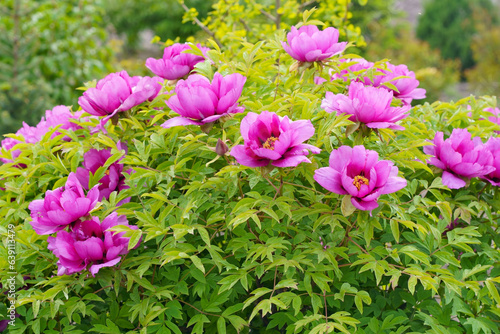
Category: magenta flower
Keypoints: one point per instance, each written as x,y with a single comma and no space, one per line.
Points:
271,139
90,243
460,157
59,115
62,206
368,105
119,92
200,102
358,172
175,63
309,44
113,180
495,117
407,86
493,145
355,65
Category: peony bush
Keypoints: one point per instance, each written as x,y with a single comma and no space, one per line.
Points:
270,189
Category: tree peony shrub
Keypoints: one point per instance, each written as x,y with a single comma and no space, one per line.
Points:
283,218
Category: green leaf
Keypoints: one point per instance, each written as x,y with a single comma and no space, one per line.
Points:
221,326
241,218
346,207
93,296
412,282
493,291
197,262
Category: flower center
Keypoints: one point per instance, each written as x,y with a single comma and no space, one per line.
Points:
359,180
269,144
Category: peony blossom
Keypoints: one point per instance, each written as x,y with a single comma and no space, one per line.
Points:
269,138
90,243
309,44
493,145
200,102
113,180
354,65
368,105
405,82
62,206
398,75
175,63
119,92
59,115
358,172
460,157
495,117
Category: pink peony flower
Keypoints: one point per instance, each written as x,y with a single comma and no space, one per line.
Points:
495,118
368,105
175,63
113,180
59,115
271,139
62,206
406,87
90,243
358,172
493,145
406,83
200,102
460,157
355,65
119,92
309,44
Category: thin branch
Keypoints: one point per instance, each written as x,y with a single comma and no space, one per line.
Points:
206,313
202,26
305,4
268,15
278,16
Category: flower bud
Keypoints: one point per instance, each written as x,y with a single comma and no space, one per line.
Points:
221,147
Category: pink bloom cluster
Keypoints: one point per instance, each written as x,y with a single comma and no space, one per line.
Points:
62,206
398,75
87,241
309,44
59,116
119,92
368,105
269,139
358,172
113,180
199,101
176,63
461,157
90,243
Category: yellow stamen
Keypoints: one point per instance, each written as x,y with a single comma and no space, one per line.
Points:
269,144
359,180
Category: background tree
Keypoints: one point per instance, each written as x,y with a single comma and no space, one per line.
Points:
47,50
129,18
448,25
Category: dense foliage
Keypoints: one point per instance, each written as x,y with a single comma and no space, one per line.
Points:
261,194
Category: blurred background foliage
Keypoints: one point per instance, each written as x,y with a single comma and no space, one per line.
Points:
47,50
50,48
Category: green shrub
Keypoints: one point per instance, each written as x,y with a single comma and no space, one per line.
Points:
219,247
